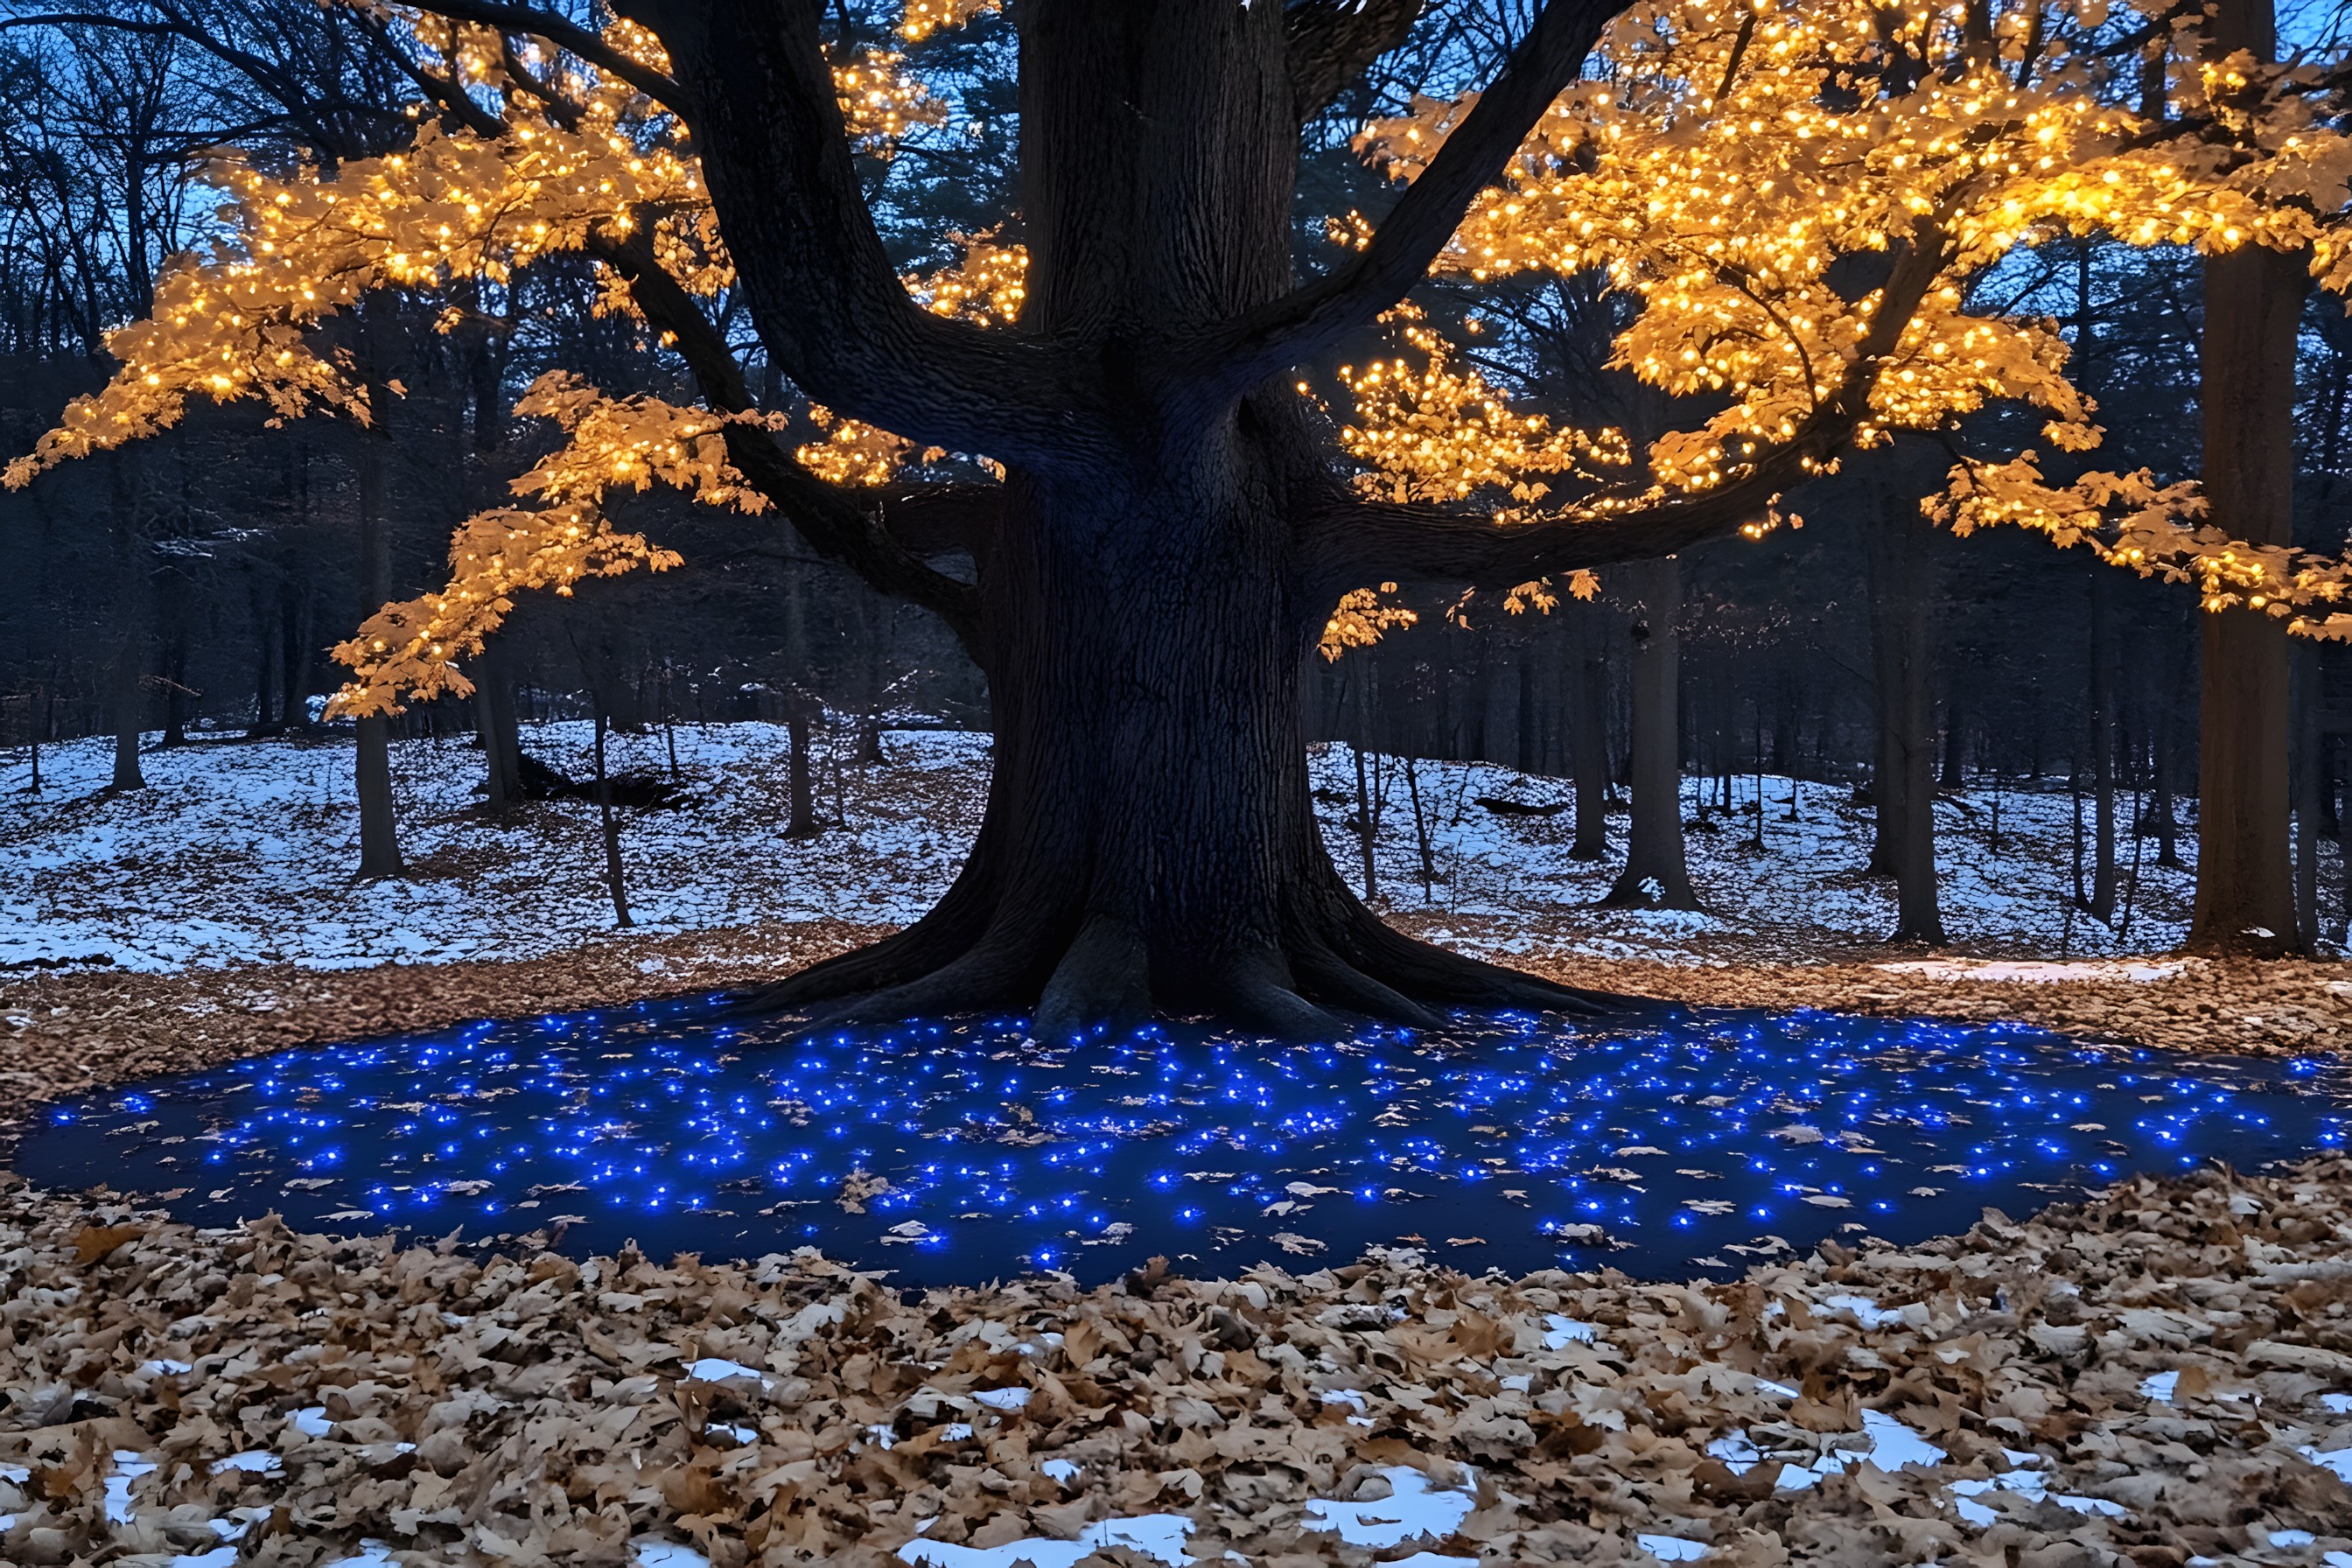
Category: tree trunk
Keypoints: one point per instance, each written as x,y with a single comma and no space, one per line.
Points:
1588,698
265,651
1886,790
494,722
1955,738
2304,751
2253,299
799,719
2161,763
609,827
1528,729
1150,839
2101,905
1655,875
176,691
379,834
126,694
1904,791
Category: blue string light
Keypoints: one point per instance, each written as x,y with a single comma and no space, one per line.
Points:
1664,1143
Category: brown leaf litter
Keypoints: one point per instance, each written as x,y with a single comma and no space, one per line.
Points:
467,1405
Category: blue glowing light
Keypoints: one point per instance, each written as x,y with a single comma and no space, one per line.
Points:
962,1150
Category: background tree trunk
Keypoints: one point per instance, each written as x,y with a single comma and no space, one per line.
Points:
2101,905
2307,750
2254,300
1887,790
1588,698
609,827
379,833
1902,584
126,694
1655,875
494,720
801,713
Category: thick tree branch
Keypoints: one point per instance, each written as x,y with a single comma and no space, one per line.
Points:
830,307
1330,44
856,528
1351,541
1312,319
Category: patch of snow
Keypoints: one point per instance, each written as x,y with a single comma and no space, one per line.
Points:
1159,1536
1893,1444
2292,1537
667,1555
1559,1333
2337,1459
1414,1508
128,1468
743,1435
1061,1470
1003,1398
312,1421
132,875
165,1368
2029,1485
372,1554
218,1557
2042,973
2341,1404
2158,1386
1739,1453
712,1369
1671,1548
1864,1311
253,1461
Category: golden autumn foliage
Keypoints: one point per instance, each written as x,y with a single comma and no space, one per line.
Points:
1746,171
1748,174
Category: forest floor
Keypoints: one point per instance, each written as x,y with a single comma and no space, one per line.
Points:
2161,1376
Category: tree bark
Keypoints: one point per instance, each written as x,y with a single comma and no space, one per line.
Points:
1655,875
2305,750
1887,792
609,828
126,694
1904,790
2101,905
1588,698
494,722
801,714
379,833
2254,300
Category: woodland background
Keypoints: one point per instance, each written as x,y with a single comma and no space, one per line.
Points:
185,589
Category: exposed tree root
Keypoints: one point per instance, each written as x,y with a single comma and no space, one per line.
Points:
1329,963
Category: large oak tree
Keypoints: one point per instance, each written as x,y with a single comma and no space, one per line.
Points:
1172,524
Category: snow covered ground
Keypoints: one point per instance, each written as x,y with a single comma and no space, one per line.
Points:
242,852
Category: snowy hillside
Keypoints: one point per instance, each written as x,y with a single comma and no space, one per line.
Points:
241,852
